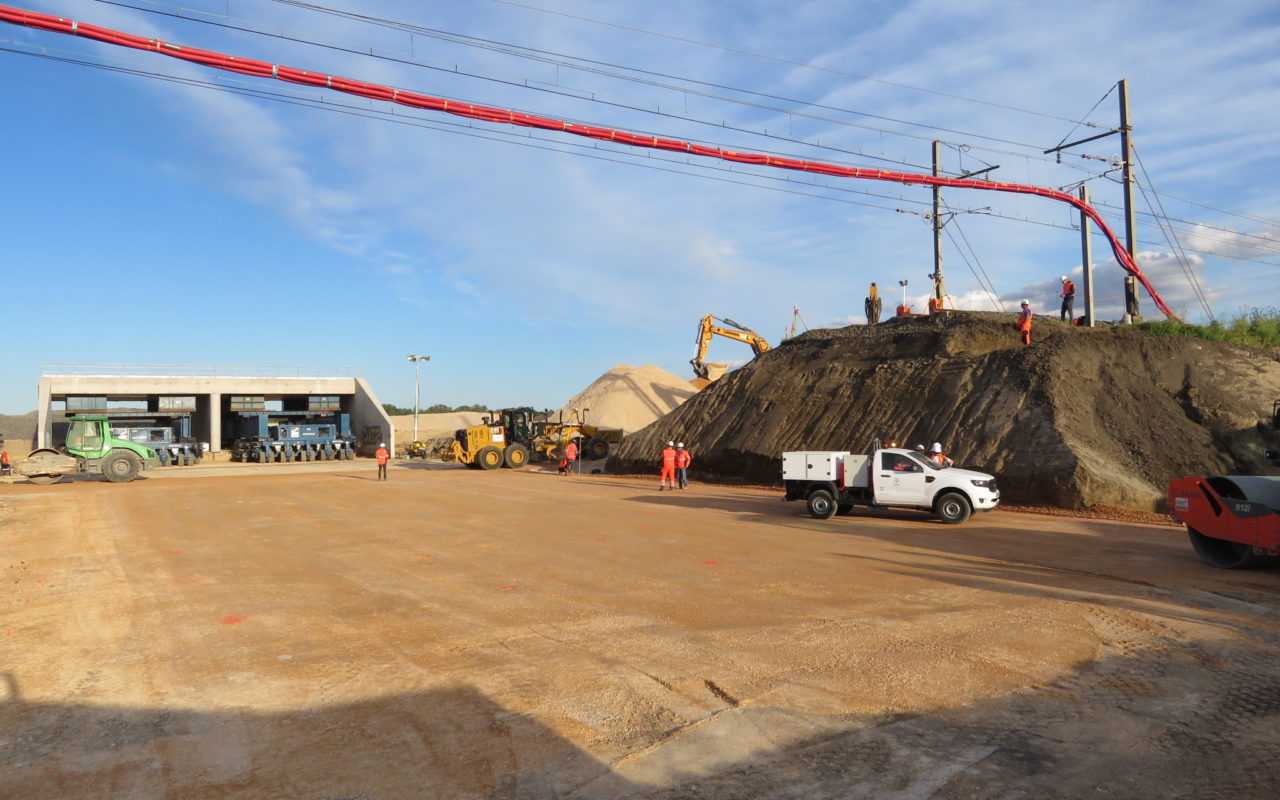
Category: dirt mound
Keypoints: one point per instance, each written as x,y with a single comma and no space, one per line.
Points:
1082,417
630,397
18,432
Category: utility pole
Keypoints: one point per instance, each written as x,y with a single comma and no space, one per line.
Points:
1131,308
937,229
1130,222
939,288
1086,258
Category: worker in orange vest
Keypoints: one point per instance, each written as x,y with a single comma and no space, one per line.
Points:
570,456
683,460
1068,296
938,457
667,477
383,457
1024,322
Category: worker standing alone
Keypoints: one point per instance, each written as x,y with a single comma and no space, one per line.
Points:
570,456
1024,322
667,477
1068,300
383,457
683,460
872,305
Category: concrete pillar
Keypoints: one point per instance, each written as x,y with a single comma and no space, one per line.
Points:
44,424
215,422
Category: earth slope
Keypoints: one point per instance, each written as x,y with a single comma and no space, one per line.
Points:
1082,417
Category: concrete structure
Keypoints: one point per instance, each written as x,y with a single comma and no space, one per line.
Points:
212,387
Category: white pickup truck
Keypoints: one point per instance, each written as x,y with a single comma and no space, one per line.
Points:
833,481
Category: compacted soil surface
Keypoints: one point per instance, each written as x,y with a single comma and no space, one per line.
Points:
450,633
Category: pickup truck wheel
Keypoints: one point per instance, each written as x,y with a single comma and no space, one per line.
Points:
953,508
821,504
121,466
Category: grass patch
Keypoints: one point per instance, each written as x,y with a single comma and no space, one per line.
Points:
1259,327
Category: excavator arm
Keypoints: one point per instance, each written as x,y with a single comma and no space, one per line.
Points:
707,328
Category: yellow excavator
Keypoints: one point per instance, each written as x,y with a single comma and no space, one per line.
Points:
706,329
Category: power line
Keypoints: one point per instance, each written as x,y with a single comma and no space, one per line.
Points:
554,57
1173,242
780,60
525,83
1033,151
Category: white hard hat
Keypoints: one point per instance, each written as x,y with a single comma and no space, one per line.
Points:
1025,303
384,444
680,444
937,447
671,444
920,447
1064,277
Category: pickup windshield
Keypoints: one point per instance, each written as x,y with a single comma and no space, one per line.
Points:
921,458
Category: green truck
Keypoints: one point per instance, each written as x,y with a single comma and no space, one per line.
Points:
90,449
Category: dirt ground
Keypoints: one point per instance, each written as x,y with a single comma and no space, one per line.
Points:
307,631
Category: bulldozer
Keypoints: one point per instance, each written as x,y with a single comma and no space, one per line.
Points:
501,440
706,372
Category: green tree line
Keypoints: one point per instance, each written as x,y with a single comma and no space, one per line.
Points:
438,408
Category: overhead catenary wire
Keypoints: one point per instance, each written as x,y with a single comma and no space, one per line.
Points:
360,88
777,59
1174,244
524,140
1032,152
523,51
575,62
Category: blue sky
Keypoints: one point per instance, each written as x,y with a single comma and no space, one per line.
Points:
158,222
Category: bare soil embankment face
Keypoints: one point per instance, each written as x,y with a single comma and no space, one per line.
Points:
1082,417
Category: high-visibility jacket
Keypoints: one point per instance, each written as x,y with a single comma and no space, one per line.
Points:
382,455
669,457
683,459
571,452
1024,319
1068,289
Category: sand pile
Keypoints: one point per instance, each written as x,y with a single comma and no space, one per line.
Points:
1082,417
630,397
433,429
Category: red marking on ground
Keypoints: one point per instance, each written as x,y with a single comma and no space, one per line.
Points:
192,579
521,524
710,562
8,633
595,540
233,620
509,588
174,552
424,556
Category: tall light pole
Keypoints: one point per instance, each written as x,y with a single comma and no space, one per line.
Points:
416,383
